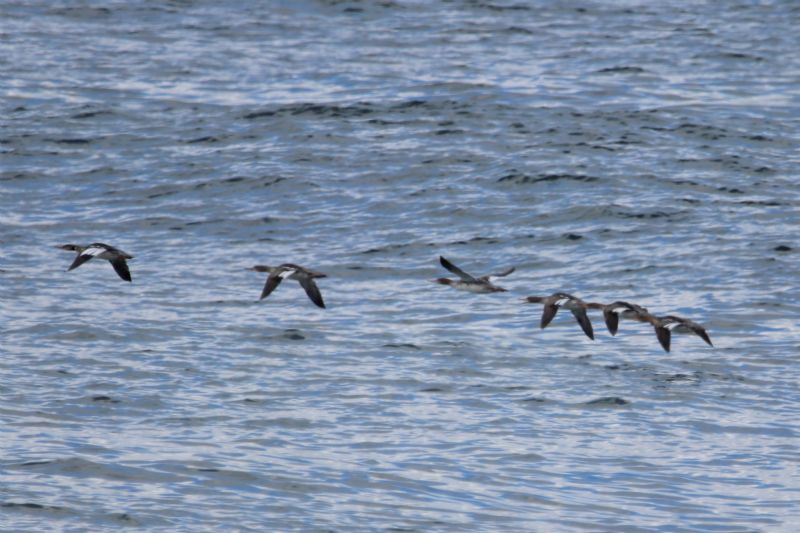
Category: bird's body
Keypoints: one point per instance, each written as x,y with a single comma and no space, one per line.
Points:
561,299
115,256
469,283
294,272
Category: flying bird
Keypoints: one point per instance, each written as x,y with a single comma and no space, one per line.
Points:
101,251
561,299
291,271
468,282
619,309
666,325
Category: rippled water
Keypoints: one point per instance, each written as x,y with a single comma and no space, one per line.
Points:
615,150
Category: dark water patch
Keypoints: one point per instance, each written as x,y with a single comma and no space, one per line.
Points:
652,215
83,12
319,110
253,400
395,247
102,398
124,517
90,114
680,378
610,401
598,147
730,190
18,176
783,248
736,56
732,162
521,178
572,236
161,194
260,181
206,139
761,203
436,389
203,222
292,335
621,70
402,345
99,171
259,221
162,221
410,104
475,240
109,471
708,427
519,30
31,506
69,141
500,8
534,399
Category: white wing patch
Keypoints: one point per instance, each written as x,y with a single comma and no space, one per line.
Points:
93,250
562,301
287,273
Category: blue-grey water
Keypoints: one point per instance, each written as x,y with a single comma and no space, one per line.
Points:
643,151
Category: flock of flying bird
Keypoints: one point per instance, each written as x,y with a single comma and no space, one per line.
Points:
664,325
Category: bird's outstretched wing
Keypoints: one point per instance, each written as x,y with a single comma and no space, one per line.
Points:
700,332
455,270
273,280
121,268
502,274
664,336
312,291
548,313
612,320
583,320
85,256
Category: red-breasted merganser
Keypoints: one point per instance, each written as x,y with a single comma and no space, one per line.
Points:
619,309
290,271
567,301
102,251
468,282
663,325
666,325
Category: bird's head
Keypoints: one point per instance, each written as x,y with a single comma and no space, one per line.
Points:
71,247
261,268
